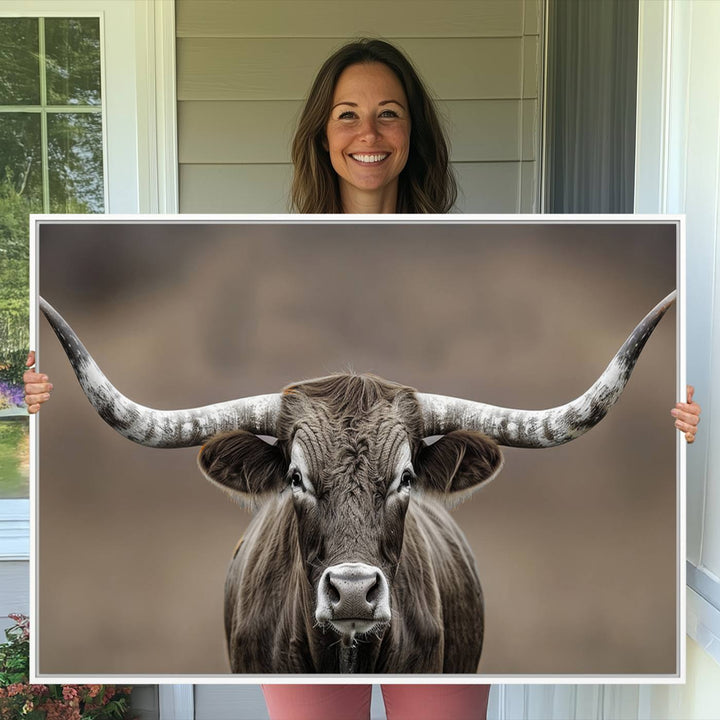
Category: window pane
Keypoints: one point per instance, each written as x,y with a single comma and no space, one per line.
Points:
20,194
19,67
72,59
75,162
20,159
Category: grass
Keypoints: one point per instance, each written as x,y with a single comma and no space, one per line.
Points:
14,458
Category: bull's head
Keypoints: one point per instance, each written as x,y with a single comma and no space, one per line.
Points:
350,451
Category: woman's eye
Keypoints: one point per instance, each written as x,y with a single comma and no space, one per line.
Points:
347,115
388,114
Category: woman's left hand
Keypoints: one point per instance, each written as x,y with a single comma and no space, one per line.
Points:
687,415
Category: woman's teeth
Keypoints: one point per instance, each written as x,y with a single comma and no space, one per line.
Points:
369,158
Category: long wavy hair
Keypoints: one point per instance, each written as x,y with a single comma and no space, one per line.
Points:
426,184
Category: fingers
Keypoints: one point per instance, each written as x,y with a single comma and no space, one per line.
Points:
687,415
684,413
688,429
37,386
34,402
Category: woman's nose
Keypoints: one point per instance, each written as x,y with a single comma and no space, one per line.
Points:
369,130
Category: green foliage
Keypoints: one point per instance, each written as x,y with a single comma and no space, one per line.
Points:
14,282
74,150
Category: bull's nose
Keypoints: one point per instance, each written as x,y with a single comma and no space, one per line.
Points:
353,591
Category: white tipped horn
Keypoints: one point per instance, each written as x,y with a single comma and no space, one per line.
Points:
160,428
544,428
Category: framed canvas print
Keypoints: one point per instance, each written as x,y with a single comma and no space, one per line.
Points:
304,460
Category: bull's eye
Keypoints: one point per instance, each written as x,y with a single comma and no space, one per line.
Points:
296,480
406,480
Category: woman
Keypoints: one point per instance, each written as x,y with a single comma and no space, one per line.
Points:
369,141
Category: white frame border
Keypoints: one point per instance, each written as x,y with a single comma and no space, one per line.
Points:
179,692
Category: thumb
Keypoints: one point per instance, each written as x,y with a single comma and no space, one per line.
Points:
30,359
690,393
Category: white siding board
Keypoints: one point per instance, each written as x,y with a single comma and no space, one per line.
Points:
261,131
467,69
289,18
236,131
229,702
248,69
235,188
487,187
272,69
14,591
484,187
530,129
533,17
529,194
531,66
482,130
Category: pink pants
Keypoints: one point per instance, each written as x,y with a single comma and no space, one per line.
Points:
352,702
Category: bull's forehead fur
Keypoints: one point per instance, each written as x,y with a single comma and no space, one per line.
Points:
346,421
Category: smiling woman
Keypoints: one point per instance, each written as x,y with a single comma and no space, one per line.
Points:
369,138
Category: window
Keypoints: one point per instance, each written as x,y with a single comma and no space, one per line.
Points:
51,160
133,166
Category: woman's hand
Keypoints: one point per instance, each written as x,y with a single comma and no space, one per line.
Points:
37,387
687,415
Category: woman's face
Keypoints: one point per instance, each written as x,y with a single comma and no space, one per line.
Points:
368,132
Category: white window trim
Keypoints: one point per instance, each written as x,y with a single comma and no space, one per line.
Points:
177,702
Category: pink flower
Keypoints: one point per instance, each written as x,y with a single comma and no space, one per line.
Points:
69,692
93,690
15,689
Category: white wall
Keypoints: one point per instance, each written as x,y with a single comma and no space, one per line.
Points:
678,171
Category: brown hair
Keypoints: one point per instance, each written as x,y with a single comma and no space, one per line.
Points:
426,184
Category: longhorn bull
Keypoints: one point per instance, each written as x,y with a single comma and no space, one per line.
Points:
352,563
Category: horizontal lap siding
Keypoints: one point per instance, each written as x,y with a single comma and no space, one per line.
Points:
347,18
244,68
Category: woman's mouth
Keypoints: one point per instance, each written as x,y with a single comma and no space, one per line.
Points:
369,158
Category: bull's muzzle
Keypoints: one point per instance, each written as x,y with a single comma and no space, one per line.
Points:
353,598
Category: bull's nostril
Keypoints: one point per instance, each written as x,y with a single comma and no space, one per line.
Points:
373,592
333,593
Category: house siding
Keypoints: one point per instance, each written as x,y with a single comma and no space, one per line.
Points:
244,68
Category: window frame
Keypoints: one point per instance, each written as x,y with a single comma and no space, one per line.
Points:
139,157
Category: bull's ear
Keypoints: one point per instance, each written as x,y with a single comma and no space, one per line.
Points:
457,464
243,464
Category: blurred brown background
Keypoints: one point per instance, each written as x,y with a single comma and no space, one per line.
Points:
576,545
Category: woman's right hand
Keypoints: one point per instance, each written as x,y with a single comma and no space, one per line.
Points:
37,386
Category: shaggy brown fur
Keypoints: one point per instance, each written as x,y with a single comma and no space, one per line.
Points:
351,429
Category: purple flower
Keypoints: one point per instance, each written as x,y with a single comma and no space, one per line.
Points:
12,394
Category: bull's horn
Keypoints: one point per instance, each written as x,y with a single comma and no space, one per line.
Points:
160,428
544,428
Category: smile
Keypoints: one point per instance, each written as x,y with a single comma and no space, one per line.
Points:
368,159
